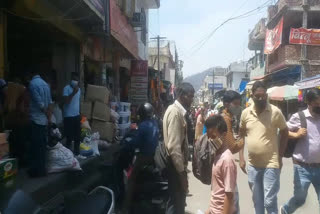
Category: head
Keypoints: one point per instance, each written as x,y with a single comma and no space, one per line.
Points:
232,102
185,94
145,111
74,79
313,101
259,95
216,126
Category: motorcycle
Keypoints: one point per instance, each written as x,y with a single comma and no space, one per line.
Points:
151,187
98,201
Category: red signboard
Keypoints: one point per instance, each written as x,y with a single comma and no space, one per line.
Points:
273,38
304,36
122,31
139,68
139,81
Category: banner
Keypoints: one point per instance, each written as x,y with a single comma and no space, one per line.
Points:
304,36
273,38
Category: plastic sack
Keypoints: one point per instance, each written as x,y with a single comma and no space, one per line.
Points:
61,159
85,147
94,143
85,125
114,115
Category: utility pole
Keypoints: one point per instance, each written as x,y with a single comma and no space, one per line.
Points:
304,60
213,85
158,38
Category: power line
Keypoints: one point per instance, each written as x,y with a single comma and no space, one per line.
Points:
244,15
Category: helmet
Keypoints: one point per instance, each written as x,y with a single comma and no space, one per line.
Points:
145,111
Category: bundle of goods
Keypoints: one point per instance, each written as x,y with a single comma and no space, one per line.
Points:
96,108
4,146
123,117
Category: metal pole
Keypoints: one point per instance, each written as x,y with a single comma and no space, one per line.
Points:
304,50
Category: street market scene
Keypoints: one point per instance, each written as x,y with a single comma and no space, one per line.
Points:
159,107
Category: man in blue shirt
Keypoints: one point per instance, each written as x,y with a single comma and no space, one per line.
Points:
71,113
147,142
40,114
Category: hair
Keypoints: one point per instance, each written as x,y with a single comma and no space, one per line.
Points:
184,89
258,84
75,74
217,121
230,96
312,95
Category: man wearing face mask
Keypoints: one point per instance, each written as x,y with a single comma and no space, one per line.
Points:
260,123
306,158
231,113
71,113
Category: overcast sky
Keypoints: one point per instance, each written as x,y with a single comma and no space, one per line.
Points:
187,22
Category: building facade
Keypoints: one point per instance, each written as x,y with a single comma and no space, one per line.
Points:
237,72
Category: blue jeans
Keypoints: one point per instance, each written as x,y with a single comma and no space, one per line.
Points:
264,184
303,177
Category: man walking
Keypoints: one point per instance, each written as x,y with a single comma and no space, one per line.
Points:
306,156
71,111
40,114
176,143
260,123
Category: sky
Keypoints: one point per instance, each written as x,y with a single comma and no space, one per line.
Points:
188,22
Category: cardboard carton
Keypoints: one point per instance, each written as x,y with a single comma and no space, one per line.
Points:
4,149
8,168
97,93
105,129
101,112
86,109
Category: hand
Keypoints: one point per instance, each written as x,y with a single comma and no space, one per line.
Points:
280,163
184,182
75,89
301,133
242,164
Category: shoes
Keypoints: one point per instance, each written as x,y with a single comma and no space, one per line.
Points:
80,157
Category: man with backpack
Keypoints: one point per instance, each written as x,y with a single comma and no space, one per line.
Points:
176,145
306,155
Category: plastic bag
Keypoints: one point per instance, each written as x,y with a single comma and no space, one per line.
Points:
114,115
94,143
61,159
85,147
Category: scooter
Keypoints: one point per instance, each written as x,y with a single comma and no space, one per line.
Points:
151,189
98,201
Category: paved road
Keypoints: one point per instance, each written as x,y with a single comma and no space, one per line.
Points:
201,193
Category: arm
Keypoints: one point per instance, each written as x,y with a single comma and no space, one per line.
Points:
302,132
67,98
242,134
35,96
174,144
282,125
228,203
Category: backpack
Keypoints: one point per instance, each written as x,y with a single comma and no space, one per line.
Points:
161,157
204,152
292,142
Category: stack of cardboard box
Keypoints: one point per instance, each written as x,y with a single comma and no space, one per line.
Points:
96,109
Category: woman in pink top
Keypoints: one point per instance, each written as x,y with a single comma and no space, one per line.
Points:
224,171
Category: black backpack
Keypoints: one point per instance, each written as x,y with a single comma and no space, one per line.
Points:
292,142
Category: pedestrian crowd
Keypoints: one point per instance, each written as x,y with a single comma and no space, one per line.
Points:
263,128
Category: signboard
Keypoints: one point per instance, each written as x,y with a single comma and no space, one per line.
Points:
139,81
273,38
122,31
304,36
216,86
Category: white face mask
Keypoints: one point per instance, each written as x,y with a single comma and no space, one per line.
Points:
235,110
74,83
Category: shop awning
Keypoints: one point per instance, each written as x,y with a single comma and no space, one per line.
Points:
286,92
250,84
309,82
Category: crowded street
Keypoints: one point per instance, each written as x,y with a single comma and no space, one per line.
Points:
159,107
